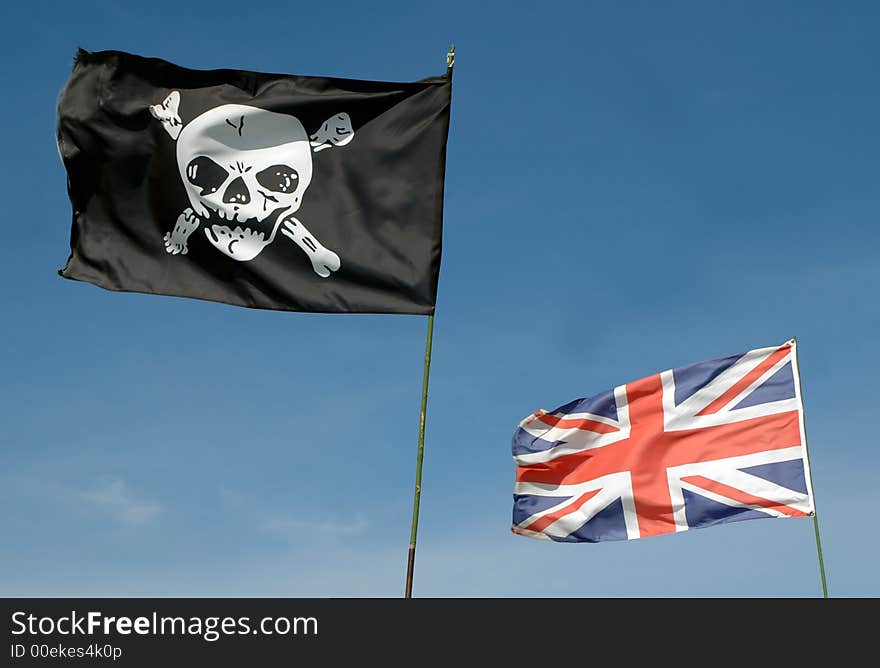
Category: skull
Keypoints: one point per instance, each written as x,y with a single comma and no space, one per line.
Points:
246,166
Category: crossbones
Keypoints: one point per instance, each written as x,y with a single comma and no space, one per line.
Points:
245,171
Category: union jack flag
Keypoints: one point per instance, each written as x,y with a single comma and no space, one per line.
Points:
716,441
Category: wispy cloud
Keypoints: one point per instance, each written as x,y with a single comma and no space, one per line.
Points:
288,525
114,498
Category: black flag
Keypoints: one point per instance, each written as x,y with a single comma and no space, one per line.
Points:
262,190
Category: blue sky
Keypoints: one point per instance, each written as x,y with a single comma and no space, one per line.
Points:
630,187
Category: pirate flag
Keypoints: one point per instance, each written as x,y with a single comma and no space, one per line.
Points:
261,190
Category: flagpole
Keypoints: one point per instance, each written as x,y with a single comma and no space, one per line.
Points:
417,494
411,561
819,550
807,451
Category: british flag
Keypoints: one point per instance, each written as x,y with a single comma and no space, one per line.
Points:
712,442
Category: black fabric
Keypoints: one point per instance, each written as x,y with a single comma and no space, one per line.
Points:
376,201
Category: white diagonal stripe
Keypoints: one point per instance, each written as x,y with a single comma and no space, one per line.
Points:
726,471
763,378
724,381
575,440
612,487
682,422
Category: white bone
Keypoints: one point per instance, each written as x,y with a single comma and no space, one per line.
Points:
324,261
167,114
175,240
336,131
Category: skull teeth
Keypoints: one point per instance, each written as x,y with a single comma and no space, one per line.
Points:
238,233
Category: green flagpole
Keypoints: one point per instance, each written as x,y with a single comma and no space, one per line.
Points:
819,550
411,561
417,494
815,511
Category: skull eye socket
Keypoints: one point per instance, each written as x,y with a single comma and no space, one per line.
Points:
279,179
206,174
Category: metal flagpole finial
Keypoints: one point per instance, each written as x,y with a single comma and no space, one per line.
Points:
450,56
